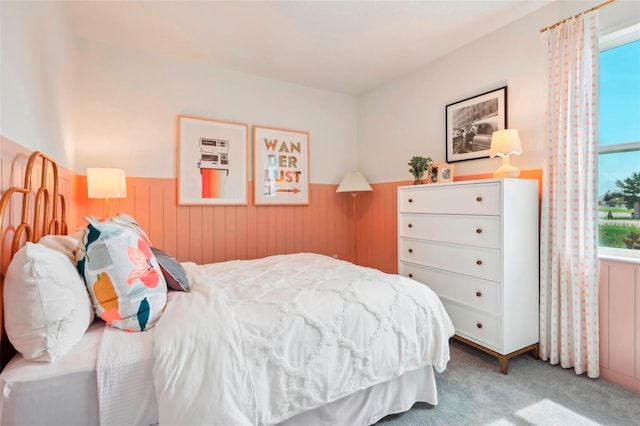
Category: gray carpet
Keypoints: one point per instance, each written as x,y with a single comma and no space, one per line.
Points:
473,392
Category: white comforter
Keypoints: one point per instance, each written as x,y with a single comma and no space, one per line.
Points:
256,342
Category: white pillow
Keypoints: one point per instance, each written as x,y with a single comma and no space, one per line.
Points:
47,307
65,244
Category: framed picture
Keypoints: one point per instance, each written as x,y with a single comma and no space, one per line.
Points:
445,172
212,161
431,175
281,166
471,122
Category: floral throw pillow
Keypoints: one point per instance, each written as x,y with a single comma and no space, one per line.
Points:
122,275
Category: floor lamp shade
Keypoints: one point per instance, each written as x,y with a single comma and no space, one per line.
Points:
354,182
106,183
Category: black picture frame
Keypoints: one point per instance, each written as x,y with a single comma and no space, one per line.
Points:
470,123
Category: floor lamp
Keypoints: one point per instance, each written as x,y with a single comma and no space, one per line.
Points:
106,183
354,182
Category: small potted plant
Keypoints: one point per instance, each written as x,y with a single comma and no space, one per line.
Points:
419,165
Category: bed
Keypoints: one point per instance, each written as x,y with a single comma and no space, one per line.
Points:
292,339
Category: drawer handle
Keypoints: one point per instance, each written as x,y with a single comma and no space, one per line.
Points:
411,200
478,199
410,275
478,293
479,231
479,325
478,262
410,250
410,225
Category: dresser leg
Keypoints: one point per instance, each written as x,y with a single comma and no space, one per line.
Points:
504,364
535,351
503,360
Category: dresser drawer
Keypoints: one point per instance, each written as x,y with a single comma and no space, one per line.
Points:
481,199
481,231
474,325
478,262
479,294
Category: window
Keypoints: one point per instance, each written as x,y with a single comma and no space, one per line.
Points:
619,138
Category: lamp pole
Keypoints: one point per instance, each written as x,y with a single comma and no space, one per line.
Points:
353,229
353,182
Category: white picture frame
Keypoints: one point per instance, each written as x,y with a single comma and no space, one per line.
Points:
281,166
212,161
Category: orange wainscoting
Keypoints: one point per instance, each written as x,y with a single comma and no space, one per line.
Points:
619,304
205,234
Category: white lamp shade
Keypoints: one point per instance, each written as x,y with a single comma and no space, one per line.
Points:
505,142
354,182
106,183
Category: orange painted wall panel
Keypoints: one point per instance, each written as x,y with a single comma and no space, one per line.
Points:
603,314
620,323
205,234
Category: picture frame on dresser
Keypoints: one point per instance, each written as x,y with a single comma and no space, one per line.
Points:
471,122
445,172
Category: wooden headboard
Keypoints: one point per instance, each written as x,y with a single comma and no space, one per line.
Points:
27,213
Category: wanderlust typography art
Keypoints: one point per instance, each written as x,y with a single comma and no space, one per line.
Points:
213,161
281,172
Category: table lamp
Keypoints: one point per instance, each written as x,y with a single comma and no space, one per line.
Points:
503,144
106,183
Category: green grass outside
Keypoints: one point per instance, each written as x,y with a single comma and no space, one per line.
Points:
615,210
612,235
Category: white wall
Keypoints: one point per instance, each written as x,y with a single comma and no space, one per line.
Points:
407,117
128,104
99,105
37,74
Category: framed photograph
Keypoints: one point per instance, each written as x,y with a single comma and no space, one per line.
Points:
281,166
445,172
431,175
471,122
212,161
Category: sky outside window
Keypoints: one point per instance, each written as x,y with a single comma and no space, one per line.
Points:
619,112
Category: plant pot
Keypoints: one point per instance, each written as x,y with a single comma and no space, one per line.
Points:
417,182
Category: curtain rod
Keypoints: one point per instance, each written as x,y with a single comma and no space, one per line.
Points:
550,27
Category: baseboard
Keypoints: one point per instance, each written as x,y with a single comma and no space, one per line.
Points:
623,380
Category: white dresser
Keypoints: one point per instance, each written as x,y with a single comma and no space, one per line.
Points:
475,243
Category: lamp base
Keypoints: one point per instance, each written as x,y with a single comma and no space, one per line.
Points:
506,171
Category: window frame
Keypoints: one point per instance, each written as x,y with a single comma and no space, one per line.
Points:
610,41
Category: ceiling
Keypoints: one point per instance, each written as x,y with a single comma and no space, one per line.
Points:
344,46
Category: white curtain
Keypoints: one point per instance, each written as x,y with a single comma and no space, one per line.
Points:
569,233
